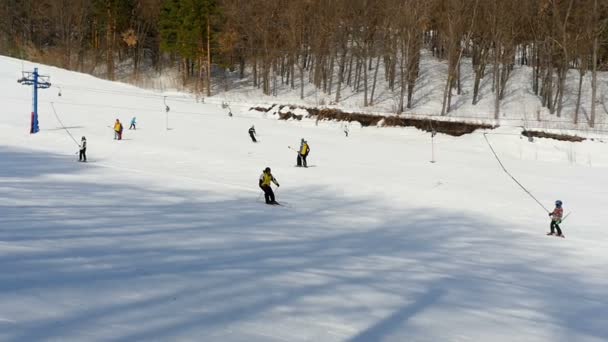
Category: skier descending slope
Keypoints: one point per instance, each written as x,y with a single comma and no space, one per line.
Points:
265,179
252,133
133,123
556,219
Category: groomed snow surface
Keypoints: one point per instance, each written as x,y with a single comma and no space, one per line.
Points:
164,236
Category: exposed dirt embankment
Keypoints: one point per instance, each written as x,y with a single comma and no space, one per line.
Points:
453,128
562,137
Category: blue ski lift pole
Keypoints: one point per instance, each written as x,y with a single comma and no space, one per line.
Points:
37,81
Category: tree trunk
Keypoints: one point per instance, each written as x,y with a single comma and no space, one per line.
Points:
371,98
301,82
402,80
594,72
581,72
350,70
208,56
331,73
412,72
365,63
255,72
562,86
341,75
110,27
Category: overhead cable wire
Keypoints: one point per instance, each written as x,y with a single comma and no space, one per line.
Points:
510,175
63,126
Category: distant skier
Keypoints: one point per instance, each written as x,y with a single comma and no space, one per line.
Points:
117,130
556,218
346,130
83,150
133,122
265,179
252,133
303,153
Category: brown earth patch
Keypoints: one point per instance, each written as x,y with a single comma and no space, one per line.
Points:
453,128
562,137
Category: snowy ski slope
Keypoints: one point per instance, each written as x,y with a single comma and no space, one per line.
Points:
163,236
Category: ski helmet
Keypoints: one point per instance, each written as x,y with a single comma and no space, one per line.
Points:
558,203
267,169
83,138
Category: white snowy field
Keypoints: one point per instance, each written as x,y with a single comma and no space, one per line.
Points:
164,236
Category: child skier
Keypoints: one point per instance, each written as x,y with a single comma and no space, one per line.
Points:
252,133
83,150
265,179
133,122
556,218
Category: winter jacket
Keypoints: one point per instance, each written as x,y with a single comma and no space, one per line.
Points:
557,214
304,149
118,127
266,179
83,145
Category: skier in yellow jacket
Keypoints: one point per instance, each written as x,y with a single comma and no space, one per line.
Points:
117,130
303,153
265,179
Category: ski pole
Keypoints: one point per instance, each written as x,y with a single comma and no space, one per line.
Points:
565,217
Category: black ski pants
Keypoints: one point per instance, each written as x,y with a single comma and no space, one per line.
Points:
268,194
555,226
303,156
252,137
83,155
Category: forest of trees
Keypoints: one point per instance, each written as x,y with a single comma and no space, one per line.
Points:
329,43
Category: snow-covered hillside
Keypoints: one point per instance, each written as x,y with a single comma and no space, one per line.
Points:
164,235
520,106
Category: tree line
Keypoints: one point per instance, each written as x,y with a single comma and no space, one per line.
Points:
332,44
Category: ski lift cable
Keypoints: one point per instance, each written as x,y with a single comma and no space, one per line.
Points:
63,126
510,175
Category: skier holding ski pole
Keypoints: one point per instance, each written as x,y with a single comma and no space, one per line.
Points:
302,153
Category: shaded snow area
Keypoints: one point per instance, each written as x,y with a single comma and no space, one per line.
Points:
164,236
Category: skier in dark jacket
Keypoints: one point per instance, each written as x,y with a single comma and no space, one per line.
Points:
83,150
265,179
252,133
556,218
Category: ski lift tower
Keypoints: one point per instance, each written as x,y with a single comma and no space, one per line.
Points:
38,82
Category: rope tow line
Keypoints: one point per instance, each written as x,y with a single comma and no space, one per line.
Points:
485,135
62,125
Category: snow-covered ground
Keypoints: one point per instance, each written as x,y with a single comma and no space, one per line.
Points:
164,236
